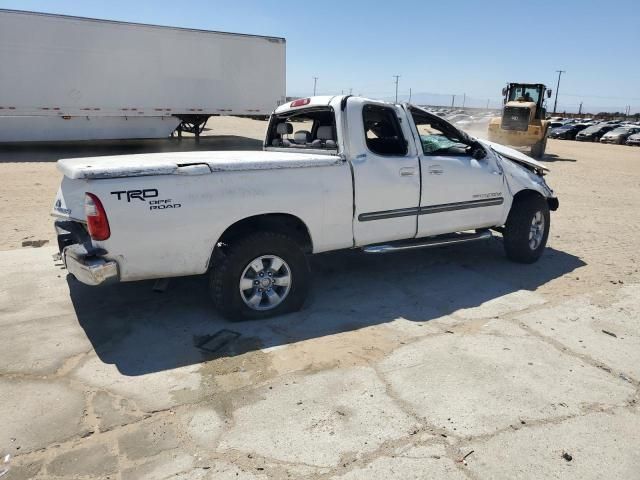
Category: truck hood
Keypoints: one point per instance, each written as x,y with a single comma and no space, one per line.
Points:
187,163
515,155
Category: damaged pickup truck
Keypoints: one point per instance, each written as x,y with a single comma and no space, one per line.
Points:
356,173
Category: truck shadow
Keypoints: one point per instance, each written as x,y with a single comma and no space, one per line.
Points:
54,151
140,331
551,157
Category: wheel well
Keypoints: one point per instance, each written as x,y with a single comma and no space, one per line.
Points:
272,222
524,194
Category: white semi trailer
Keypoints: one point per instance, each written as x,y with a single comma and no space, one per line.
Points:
71,78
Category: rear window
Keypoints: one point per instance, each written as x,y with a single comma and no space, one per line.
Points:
304,129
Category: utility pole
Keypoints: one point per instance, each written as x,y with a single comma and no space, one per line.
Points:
397,77
487,104
315,82
453,99
350,91
409,95
464,99
555,103
580,109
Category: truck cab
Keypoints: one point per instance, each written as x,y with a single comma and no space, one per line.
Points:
414,174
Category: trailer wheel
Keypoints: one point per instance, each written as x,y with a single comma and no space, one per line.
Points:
260,275
527,229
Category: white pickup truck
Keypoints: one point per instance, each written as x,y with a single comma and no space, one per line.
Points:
357,173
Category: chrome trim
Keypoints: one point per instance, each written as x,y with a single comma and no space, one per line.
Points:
428,243
445,207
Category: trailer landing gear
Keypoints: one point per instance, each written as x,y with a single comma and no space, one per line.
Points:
191,124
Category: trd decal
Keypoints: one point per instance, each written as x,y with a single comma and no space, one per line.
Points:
163,204
139,194
143,195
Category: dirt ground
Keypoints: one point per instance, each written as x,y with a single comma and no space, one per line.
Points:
444,363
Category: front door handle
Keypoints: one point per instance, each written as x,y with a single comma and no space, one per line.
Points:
435,170
407,171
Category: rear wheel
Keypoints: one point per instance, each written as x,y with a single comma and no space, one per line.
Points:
261,275
527,229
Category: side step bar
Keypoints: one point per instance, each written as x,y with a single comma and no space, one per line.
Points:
429,242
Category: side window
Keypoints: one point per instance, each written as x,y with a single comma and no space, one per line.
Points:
382,131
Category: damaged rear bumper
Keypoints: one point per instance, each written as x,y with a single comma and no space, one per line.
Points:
85,262
89,269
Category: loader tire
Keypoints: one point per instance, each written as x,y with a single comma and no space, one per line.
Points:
527,229
261,275
537,151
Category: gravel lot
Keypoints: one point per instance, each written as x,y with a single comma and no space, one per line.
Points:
445,363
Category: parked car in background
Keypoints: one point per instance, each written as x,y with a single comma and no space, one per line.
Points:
593,133
619,135
567,132
556,124
634,140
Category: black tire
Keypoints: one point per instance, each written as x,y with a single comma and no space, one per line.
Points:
228,266
518,227
537,151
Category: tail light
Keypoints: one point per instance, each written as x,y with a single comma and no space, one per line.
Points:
300,102
97,220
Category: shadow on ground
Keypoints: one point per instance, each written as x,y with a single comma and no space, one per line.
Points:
141,331
53,151
550,157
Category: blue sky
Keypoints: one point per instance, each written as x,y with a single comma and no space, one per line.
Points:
463,47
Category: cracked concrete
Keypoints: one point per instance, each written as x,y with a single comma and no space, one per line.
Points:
398,367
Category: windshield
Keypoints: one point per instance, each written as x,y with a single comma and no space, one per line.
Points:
619,130
524,94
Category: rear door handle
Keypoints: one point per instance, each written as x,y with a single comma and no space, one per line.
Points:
407,171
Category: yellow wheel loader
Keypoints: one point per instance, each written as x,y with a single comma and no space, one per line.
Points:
523,122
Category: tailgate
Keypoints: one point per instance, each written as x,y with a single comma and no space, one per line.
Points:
69,202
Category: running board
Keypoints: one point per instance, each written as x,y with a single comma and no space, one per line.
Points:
438,241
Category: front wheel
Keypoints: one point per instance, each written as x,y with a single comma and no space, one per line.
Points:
527,229
537,150
261,275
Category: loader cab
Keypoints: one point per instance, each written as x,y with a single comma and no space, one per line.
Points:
520,93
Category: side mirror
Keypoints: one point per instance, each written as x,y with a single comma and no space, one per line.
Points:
549,93
504,92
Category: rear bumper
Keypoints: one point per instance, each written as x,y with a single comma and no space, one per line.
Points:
89,269
84,261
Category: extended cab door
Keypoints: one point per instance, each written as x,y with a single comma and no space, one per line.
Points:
460,191
386,172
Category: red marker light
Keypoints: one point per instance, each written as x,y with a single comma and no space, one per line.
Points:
300,102
97,222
